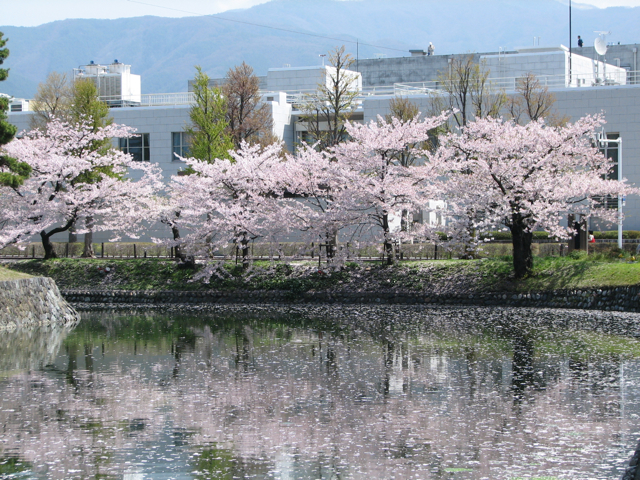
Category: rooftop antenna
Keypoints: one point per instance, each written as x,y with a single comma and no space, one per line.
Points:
600,46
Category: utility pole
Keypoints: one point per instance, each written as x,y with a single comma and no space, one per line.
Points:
570,42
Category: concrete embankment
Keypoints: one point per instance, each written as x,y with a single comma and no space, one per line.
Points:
33,301
624,299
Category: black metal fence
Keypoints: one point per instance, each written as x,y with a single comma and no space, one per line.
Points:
291,251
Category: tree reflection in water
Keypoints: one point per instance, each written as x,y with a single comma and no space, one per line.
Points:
372,393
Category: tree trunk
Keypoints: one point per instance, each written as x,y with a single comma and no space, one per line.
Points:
332,243
521,240
178,255
49,252
471,249
73,236
245,252
404,221
88,239
388,245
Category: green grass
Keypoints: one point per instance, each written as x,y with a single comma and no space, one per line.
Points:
473,276
142,274
163,274
581,271
6,274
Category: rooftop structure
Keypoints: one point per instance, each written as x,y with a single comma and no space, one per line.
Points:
116,84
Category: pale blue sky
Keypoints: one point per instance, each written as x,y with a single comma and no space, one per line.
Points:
37,12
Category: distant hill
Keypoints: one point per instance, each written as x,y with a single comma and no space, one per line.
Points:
164,51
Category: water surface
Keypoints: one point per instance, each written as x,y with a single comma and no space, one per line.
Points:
322,393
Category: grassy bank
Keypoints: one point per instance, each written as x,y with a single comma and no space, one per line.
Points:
6,274
441,276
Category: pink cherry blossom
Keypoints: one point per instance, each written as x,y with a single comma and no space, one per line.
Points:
231,202
56,196
526,178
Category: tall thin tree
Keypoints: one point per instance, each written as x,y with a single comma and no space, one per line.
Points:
13,172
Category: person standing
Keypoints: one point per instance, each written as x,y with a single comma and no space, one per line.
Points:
431,49
580,42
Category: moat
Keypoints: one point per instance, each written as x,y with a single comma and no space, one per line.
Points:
323,392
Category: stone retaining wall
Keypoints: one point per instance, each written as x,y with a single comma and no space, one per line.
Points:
610,299
33,301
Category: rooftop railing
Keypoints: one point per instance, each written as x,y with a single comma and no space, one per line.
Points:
149,100
300,97
510,84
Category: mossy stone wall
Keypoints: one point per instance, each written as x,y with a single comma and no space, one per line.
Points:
33,301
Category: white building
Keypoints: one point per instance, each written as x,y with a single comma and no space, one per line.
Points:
581,84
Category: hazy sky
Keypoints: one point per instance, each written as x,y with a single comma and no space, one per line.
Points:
37,12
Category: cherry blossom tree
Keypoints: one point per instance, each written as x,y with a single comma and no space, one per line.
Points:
316,184
526,178
231,201
379,185
55,197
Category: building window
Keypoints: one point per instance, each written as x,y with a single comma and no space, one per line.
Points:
138,146
611,151
180,143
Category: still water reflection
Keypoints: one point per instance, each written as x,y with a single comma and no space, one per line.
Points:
322,393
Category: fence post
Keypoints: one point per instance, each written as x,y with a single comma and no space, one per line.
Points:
102,250
135,251
33,251
435,252
66,250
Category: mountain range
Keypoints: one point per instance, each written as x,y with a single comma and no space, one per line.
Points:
164,51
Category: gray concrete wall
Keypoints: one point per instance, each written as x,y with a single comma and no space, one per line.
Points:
33,302
387,71
621,107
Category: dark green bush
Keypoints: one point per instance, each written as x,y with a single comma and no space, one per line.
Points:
613,234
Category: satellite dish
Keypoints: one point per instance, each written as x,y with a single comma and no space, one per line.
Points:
600,45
